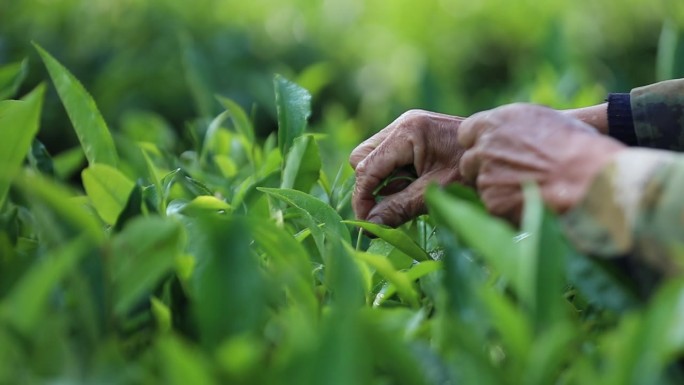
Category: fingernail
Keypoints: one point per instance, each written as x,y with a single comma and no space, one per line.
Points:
375,219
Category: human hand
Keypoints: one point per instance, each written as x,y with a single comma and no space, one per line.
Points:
423,140
513,144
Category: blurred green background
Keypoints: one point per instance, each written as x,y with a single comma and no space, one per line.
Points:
365,62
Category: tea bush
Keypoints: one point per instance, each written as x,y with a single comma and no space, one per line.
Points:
236,260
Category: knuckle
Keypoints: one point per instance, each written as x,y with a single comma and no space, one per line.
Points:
361,168
415,118
399,210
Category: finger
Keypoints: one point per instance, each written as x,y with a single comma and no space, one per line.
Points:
366,147
505,202
497,173
473,127
390,155
469,165
401,207
369,145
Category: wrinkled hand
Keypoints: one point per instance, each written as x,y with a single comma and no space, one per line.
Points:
517,143
423,140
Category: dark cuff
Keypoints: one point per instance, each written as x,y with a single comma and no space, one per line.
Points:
620,123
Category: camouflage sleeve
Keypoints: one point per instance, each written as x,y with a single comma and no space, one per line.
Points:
658,114
634,207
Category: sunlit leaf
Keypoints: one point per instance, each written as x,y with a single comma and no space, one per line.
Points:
19,120
183,364
293,104
162,314
394,237
108,190
417,271
320,212
398,279
303,164
91,129
239,118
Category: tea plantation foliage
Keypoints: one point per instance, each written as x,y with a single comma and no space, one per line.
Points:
186,224
236,261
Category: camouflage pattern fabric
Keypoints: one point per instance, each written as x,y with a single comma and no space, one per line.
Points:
635,206
658,113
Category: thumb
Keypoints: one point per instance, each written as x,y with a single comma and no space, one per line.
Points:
402,206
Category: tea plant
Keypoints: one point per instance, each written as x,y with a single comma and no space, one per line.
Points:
238,261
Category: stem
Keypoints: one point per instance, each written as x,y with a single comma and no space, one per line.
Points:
358,240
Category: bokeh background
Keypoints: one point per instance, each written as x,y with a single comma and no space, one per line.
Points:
365,62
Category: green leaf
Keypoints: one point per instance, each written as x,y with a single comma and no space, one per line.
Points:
293,104
19,121
108,190
201,205
601,282
148,127
68,162
132,209
45,194
91,129
143,253
11,77
417,271
542,260
290,262
303,164
239,117
162,314
491,237
321,213
394,237
399,280
195,76
40,159
398,359
25,305
228,286
510,321
183,364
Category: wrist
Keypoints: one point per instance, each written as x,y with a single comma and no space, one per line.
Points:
595,116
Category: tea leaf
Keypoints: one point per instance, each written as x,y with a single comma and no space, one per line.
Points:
490,237
91,129
19,120
239,118
228,285
303,164
394,237
60,201
541,261
320,212
293,104
25,304
399,280
144,252
108,190
11,77
182,363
